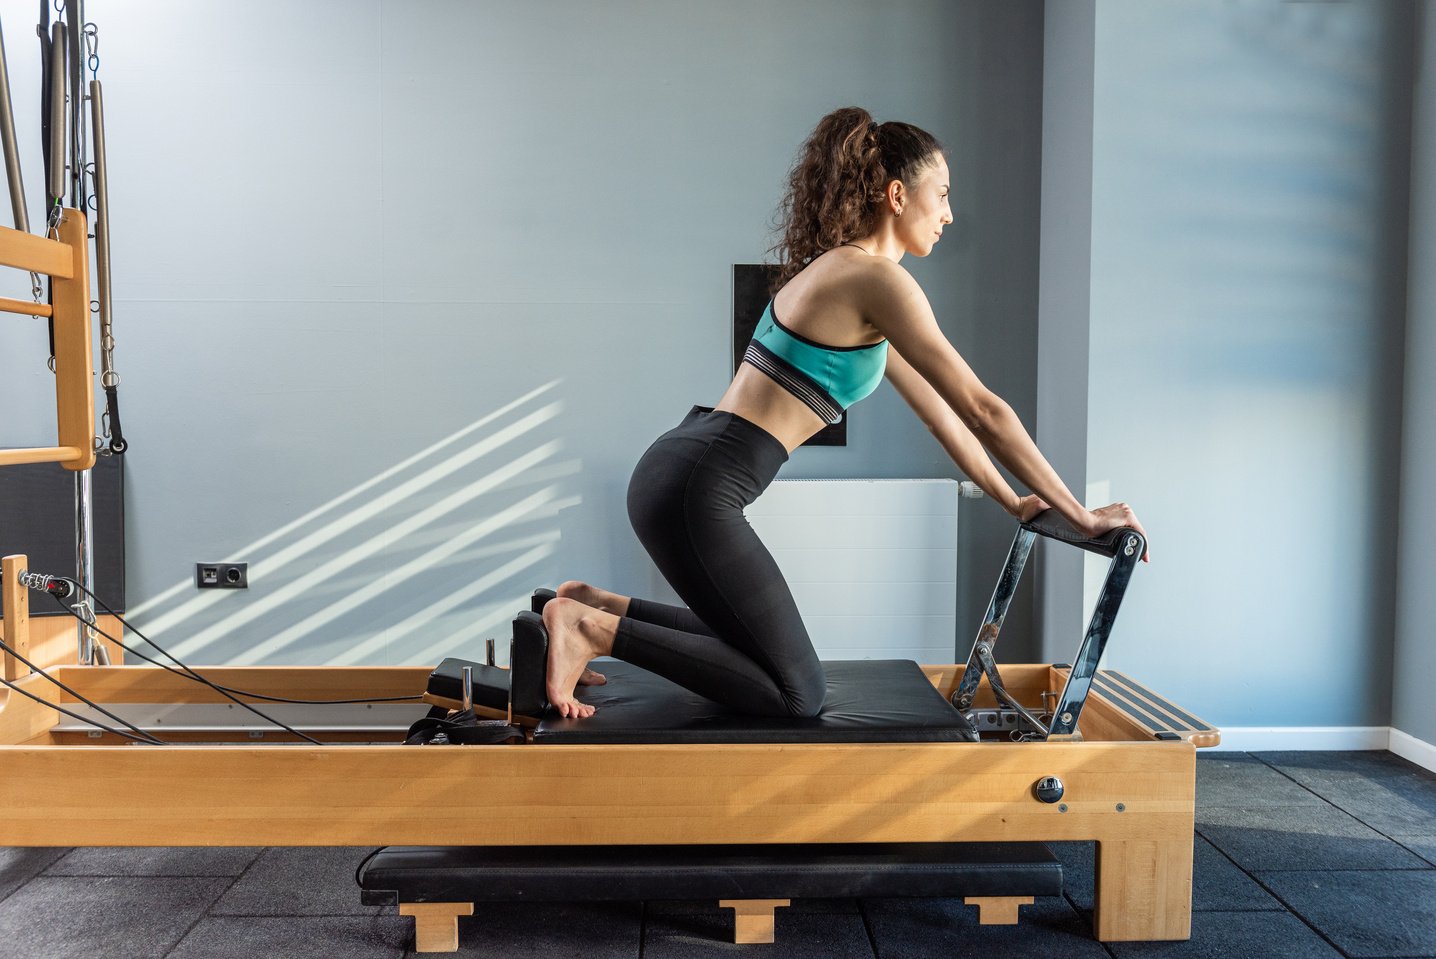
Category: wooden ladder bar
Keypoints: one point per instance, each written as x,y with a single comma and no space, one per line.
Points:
25,307
66,262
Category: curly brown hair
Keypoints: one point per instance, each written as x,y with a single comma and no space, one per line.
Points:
837,185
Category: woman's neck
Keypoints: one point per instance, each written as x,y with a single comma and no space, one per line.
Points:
882,242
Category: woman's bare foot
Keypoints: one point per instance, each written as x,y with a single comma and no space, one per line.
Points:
576,634
594,597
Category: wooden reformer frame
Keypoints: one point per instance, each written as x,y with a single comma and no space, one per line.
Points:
1130,791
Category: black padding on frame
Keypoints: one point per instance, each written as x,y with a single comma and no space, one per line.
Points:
816,871
37,518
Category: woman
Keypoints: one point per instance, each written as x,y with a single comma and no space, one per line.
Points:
846,313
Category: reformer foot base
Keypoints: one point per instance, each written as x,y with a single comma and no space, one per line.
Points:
517,694
436,924
998,910
753,918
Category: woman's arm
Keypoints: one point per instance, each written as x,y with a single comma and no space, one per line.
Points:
956,439
895,304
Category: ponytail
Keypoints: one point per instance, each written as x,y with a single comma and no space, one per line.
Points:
836,188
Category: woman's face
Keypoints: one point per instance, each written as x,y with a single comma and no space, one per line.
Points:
925,210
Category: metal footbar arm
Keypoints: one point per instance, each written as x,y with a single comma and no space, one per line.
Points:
1124,546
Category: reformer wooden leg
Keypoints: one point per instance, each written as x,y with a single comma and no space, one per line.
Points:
436,924
753,918
998,910
1144,890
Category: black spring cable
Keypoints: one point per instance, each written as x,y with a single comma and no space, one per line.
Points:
192,675
143,736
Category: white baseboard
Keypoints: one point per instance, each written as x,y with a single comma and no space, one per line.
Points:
1282,738
1415,750
1279,738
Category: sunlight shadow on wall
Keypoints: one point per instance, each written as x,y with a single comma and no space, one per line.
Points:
404,562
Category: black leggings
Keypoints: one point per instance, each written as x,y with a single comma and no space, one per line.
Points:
741,641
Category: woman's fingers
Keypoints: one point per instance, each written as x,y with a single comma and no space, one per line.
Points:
1120,514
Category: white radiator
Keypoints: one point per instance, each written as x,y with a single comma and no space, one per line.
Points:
872,563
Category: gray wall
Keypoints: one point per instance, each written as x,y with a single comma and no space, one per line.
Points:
404,289
1247,312
1413,708
1066,299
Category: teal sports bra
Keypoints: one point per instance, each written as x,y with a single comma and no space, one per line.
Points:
829,379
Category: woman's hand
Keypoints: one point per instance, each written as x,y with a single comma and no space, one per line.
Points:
1029,506
1116,516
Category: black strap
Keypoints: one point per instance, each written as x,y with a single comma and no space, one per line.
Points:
117,433
440,727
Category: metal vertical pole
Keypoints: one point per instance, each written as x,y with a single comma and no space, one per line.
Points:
55,182
102,226
84,564
7,139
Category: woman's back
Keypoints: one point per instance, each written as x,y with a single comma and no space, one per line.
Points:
822,305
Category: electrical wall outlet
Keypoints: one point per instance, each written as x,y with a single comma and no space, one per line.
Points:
221,575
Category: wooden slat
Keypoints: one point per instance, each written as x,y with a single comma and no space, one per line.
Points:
42,454
593,794
53,640
74,357
149,684
23,719
24,307
36,254
16,625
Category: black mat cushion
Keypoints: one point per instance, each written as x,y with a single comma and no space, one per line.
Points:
778,871
868,701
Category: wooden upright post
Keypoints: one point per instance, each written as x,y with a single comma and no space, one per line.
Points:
17,614
74,359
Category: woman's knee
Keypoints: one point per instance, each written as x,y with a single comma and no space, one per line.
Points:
806,700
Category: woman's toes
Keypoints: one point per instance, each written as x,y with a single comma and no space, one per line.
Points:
574,589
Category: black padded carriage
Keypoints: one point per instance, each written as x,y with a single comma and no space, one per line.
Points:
868,701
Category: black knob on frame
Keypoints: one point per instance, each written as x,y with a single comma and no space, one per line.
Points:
1048,789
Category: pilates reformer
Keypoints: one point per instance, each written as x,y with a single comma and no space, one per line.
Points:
787,806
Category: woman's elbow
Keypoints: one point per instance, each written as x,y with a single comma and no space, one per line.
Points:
981,414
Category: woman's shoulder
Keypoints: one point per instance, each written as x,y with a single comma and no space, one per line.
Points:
881,286
854,273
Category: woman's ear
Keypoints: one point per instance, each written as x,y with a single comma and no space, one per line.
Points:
896,196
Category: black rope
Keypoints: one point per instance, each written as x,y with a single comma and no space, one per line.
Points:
193,676
143,737
225,693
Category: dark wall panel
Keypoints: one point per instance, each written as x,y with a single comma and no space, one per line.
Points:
37,518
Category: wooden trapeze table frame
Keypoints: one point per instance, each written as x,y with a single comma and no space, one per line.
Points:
1130,792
